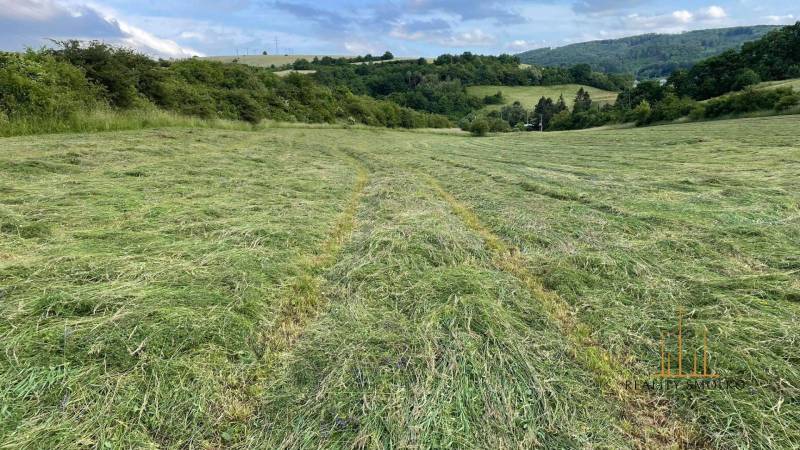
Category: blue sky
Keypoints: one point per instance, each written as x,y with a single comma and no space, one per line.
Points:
343,27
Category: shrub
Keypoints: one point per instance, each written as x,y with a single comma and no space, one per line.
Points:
495,99
698,112
642,112
787,101
479,127
671,108
34,84
561,121
747,101
497,125
118,70
746,78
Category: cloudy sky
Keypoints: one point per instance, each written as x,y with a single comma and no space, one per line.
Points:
406,27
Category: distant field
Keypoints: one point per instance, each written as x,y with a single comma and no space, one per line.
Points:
793,83
364,288
266,60
279,60
530,95
283,73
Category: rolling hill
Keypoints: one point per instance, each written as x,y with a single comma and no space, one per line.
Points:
528,96
265,60
280,60
647,55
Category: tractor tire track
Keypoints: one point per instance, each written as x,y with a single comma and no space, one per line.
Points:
303,296
540,189
651,424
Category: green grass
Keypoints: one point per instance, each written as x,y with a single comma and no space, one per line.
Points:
331,288
103,119
530,95
266,60
283,73
280,60
793,83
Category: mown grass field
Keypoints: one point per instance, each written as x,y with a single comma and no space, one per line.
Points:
280,60
530,95
266,60
332,288
284,73
793,83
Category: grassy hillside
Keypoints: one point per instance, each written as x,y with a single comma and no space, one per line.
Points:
278,60
285,73
362,288
647,55
265,60
530,95
793,83
764,86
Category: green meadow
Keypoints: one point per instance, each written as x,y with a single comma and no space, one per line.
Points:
364,288
281,60
528,96
264,60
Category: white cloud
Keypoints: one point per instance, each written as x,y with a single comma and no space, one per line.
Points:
468,38
149,43
360,48
682,16
712,13
191,35
28,22
674,22
441,32
788,19
521,45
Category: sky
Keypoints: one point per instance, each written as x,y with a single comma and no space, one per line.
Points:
182,28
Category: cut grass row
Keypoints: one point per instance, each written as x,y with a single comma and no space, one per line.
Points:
138,271
427,344
629,226
647,419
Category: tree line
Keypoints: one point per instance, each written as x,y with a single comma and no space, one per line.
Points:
440,86
647,56
716,87
776,56
76,77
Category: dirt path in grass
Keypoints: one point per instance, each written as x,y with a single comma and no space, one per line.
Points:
651,425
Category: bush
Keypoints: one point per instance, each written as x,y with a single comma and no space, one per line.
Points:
119,71
698,112
745,78
671,108
642,112
496,99
561,121
748,101
497,125
479,127
787,101
34,84
56,84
